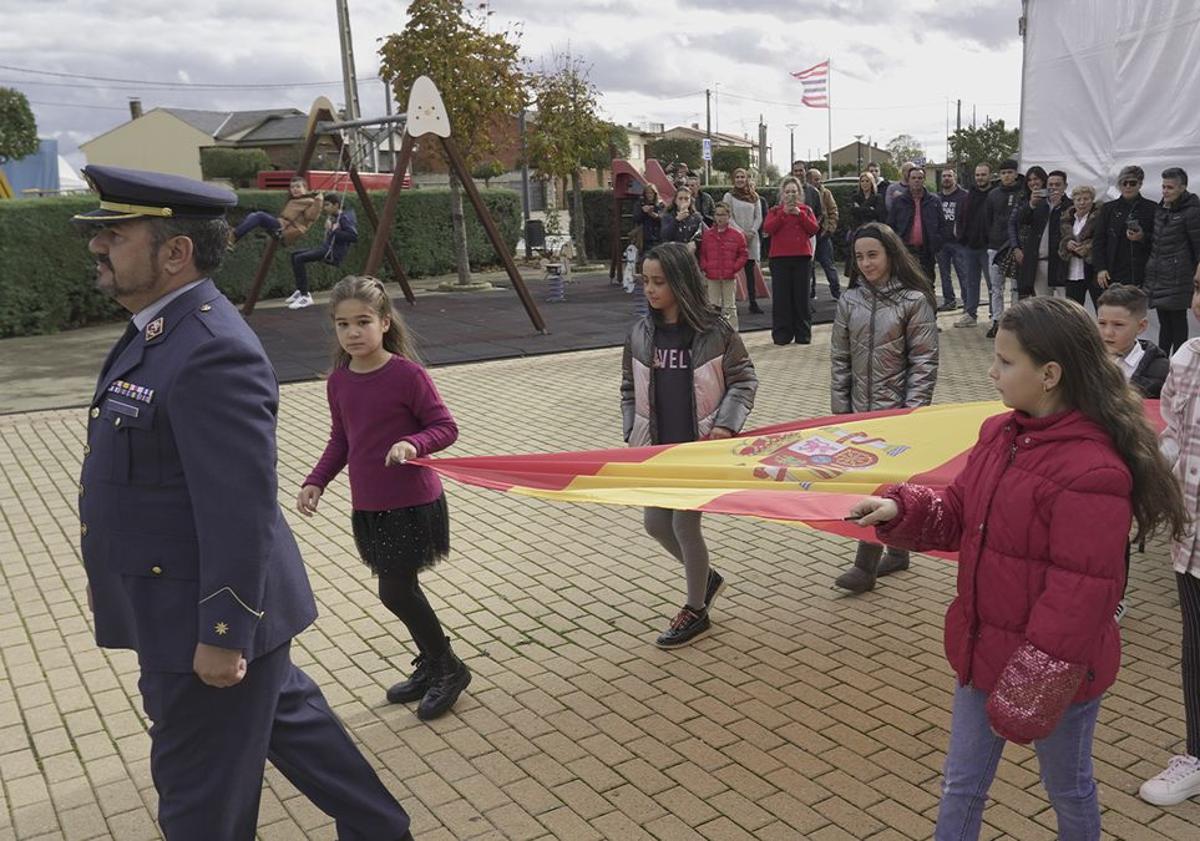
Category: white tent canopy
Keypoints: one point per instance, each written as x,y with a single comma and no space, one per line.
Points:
68,179
1108,83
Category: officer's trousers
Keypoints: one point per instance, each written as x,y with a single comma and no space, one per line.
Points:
209,747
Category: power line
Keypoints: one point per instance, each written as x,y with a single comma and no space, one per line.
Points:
161,84
76,105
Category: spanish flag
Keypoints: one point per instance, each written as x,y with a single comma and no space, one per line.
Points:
811,471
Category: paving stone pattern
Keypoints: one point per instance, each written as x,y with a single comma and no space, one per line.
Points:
804,715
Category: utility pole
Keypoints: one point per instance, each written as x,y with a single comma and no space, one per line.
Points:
762,148
791,127
708,131
391,129
349,77
957,129
525,184
858,141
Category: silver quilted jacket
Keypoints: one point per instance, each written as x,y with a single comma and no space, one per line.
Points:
885,349
723,382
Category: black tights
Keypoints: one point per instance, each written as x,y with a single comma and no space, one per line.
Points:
401,593
1172,330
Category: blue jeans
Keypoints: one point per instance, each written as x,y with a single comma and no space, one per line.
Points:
975,263
257,219
951,254
824,256
1064,759
308,255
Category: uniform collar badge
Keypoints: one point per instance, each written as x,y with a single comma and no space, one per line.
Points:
154,329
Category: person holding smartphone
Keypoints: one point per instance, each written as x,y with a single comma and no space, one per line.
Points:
1124,233
1030,234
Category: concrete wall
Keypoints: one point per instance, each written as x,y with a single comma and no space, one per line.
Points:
157,141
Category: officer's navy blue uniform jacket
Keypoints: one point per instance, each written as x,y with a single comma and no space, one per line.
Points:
183,538
341,236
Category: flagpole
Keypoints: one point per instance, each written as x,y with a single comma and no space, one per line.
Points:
829,93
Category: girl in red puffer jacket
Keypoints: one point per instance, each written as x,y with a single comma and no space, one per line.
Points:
1039,516
723,255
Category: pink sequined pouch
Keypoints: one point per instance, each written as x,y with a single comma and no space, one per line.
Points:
1031,695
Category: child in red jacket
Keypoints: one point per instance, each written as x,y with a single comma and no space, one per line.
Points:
1039,516
723,255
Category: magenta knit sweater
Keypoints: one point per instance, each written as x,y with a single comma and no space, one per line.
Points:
370,413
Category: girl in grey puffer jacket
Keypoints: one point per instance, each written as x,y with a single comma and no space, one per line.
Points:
884,355
685,376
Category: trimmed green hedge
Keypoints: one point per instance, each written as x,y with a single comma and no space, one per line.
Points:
597,211
47,276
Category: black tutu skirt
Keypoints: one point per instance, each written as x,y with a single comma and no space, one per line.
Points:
403,539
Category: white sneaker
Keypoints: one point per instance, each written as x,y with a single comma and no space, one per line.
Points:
1119,613
301,302
1180,781
293,297
966,321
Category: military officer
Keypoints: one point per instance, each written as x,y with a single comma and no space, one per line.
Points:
189,560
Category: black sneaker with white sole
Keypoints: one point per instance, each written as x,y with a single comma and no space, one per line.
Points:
716,583
687,626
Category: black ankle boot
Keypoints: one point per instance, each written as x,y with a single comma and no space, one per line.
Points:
416,686
450,677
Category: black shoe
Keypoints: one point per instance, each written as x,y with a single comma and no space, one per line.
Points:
450,677
687,626
716,583
755,308
991,334
804,341
949,306
415,687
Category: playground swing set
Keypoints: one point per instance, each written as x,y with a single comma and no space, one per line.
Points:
426,116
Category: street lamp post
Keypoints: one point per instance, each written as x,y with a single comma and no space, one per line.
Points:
858,141
791,127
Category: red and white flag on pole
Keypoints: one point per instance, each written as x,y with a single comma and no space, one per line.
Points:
816,85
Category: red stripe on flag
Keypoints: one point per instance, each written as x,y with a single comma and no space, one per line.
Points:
816,70
540,471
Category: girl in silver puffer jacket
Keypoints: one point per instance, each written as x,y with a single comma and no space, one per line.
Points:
884,355
685,376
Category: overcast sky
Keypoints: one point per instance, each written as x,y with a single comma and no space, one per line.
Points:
896,63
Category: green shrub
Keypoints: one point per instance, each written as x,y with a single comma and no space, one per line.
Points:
239,166
47,276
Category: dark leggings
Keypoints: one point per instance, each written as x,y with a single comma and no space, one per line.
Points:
401,593
751,290
1189,606
1172,329
1079,290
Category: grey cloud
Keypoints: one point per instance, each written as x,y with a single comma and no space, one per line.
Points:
866,11
989,24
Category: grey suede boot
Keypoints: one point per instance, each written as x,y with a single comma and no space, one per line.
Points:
894,560
861,577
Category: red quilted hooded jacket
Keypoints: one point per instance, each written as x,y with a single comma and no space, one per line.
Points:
1040,517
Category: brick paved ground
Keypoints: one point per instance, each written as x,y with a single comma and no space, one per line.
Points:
806,714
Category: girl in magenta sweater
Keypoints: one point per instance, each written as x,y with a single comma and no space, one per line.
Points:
386,411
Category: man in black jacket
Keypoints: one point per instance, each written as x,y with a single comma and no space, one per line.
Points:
1124,233
973,240
998,209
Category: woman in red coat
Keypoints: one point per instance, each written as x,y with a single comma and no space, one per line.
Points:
1039,516
791,224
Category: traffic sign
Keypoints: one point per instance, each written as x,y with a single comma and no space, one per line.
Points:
706,149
